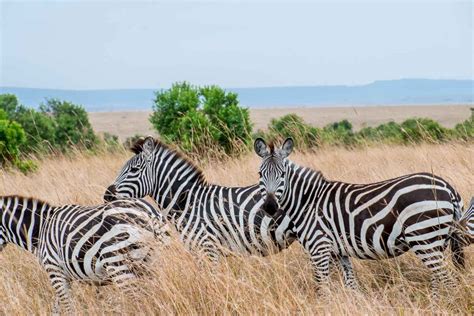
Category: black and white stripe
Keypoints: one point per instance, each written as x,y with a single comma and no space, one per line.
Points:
101,244
418,212
208,217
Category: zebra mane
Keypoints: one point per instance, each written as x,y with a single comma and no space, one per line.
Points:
271,146
137,148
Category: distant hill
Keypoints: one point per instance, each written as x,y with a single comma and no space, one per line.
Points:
387,92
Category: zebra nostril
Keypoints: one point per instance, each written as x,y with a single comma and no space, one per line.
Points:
270,206
109,194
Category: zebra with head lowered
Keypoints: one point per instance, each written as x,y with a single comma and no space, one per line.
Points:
208,217
101,244
419,212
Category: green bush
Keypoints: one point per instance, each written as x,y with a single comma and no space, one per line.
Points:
292,125
390,132
72,126
8,103
465,130
57,126
341,133
40,129
338,133
423,130
12,137
198,119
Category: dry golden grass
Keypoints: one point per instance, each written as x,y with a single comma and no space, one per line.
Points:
278,284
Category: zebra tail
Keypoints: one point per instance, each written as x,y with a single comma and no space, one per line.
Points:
467,223
457,250
463,234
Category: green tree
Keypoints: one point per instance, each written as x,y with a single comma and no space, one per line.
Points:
39,127
72,126
12,137
198,118
8,103
171,106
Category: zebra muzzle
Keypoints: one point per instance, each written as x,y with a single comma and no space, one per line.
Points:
270,206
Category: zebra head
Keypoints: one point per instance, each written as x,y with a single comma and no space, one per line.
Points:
272,172
136,177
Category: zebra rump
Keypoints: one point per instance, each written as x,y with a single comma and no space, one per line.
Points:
419,212
102,244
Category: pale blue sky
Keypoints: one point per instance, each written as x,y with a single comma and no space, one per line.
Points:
137,44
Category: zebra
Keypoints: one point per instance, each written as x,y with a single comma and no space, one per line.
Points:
211,219
102,244
418,212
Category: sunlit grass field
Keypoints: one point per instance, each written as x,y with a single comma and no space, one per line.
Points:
180,283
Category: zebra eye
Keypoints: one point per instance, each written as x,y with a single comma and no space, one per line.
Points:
134,169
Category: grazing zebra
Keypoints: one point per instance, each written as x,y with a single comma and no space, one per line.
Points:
208,217
418,212
101,244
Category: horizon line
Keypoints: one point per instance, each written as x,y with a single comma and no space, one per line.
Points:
246,87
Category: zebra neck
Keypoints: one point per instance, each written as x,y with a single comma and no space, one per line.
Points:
176,177
303,187
21,219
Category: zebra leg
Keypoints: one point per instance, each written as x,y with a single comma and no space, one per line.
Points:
123,277
434,259
321,259
350,280
210,248
213,254
62,289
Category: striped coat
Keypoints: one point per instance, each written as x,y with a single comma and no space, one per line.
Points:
209,218
418,212
101,244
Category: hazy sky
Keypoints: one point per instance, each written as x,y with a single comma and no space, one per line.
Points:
138,44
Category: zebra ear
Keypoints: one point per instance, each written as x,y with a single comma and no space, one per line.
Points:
287,147
260,147
148,146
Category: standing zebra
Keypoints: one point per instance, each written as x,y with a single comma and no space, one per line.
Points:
208,217
418,212
100,244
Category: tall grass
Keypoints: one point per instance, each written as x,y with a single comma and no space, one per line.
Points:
180,283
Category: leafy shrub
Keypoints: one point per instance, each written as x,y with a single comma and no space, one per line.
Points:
410,131
465,130
72,126
58,125
338,133
390,132
292,125
40,129
12,137
198,119
8,103
423,129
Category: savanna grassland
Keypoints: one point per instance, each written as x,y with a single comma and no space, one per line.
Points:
125,124
179,283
